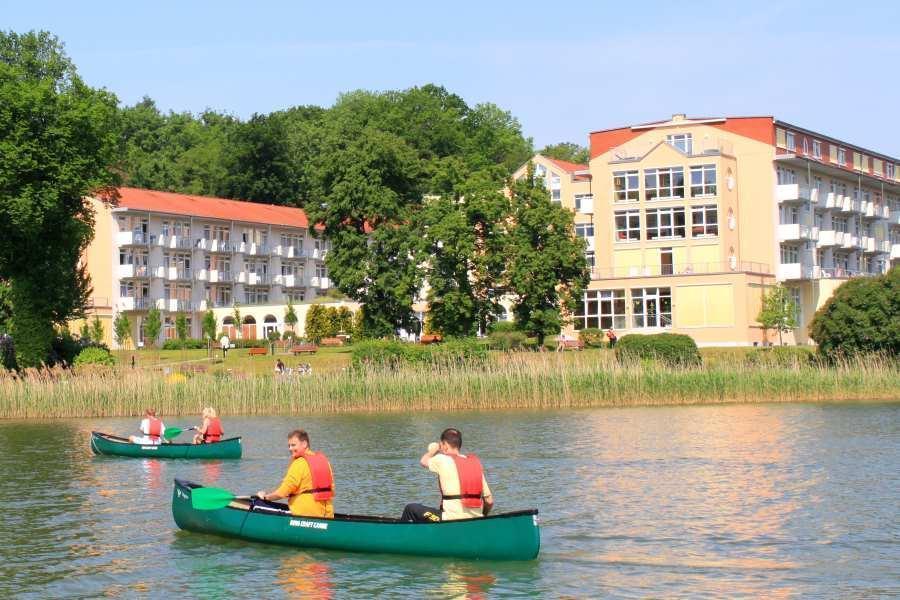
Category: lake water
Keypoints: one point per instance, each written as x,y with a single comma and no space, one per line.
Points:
713,501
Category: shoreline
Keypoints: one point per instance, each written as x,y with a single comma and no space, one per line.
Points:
545,383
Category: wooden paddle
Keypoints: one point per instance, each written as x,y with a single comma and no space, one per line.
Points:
211,498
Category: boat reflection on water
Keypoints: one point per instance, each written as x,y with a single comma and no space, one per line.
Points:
302,576
152,473
467,581
212,470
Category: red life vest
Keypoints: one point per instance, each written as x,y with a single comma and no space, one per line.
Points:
154,428
213,430
322,481
470,479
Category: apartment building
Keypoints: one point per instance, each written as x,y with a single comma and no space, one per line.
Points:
688,221
187,254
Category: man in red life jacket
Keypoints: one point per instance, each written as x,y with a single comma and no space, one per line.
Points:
151,427
464,490
309,482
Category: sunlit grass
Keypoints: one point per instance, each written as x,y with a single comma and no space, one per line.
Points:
518,380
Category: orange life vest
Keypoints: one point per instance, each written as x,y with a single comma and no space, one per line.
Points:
322,481
154,428
470,475
213,430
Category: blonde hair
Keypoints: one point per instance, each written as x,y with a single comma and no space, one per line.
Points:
209,413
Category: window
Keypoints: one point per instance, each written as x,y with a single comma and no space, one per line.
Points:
682,141
290,268
585,201
786,176
805,146
554,195
584,230
703,180
257,295
817,149
290,240
665,223
169,328
589,259
628,225
295,295
667,182
795,298
790,141
842,156
789,215
625,186
651,307
889,170
321,270
666,266
601,308
840,224
789,254
554,180
704,221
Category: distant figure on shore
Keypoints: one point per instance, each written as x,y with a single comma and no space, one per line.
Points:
611,336
151,427
211,428
279,367
225,343
561,340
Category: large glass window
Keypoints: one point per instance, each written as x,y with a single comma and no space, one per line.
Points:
789,254
651,307
791,141
665,223
601,308
704,221
682,141
628,225
786,176
703,180
625,186
817,149
584,230
667,182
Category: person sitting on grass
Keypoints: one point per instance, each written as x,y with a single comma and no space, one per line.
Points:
211,429
279,367
151,427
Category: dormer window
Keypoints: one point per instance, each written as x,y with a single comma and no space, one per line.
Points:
682,141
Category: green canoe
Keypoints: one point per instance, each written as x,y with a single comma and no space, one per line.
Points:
510,536
103,443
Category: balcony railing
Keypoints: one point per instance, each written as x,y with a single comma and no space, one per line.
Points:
788,232
660,270
289,280
793,192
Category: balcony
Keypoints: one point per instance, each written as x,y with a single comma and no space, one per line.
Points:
830,237
174,305
132,303
895,250
661,270
584,205
851,240
252,248
173,242
133,238
219,246
832,200
257,279
883,246
213,276
894,217
867,243
173,273
288,251
322,283
792,192
291,281
791,232
794,271
133,271
867,209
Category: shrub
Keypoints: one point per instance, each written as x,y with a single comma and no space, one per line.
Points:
393,353
671,349
507,340
95,356
7,352
592,337
289,335
250,343
186,344
502,326
862,316
781,356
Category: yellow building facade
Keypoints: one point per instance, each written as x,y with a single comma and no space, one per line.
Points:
689,221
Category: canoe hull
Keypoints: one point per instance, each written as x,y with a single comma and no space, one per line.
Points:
513,536
102,443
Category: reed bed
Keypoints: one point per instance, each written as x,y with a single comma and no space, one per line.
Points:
520,381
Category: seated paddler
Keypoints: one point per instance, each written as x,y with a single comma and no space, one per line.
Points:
210,429
464,490
308,484
151,427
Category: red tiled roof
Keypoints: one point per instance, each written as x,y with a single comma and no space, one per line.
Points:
568,166
212,208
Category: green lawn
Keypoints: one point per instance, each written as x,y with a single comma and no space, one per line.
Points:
237,360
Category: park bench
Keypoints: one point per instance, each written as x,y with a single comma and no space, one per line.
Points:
332,341
573,345
431,338
301,348
258,351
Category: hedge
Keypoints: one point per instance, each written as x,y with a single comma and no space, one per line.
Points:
94,356
672,349
187,344
592,337
395,353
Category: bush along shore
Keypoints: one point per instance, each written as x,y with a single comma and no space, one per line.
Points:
515,380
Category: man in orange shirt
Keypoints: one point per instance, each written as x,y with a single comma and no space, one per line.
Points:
309,482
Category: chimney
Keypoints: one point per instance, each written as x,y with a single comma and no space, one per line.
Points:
679,117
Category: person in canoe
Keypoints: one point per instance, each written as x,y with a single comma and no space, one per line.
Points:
464,490
151,427
211,429
309,482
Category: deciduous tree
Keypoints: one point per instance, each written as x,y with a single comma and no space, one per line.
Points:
778,311
122,329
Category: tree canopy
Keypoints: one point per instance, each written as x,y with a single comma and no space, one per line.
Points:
567,151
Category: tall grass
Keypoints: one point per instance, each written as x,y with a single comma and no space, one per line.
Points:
526,380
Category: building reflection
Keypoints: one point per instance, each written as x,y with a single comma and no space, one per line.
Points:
302,576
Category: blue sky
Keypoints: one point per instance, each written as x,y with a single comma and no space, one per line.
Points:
562,70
